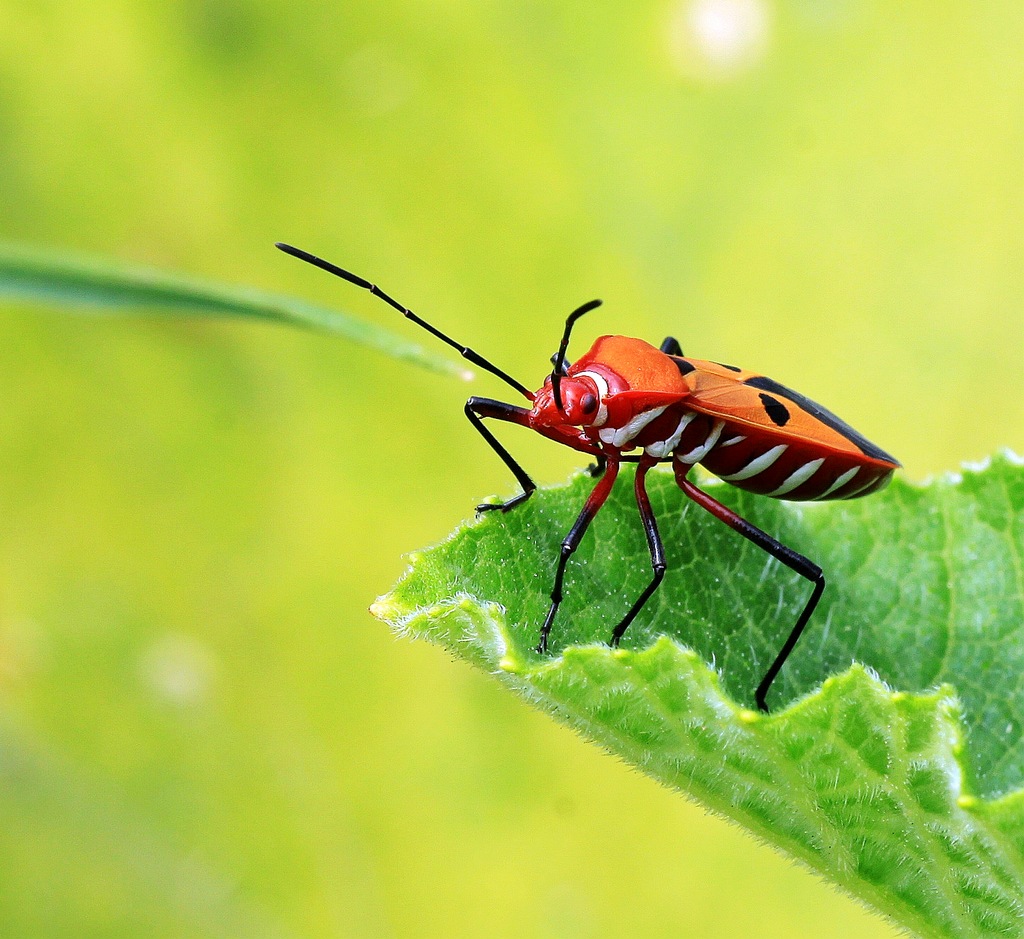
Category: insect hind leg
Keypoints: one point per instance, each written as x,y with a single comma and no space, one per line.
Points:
794,561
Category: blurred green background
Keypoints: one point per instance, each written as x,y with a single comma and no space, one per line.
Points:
202,732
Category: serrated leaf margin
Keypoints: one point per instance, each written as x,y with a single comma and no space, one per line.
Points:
807,779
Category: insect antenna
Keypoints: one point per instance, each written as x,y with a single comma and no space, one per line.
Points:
559,359
566,364
464,351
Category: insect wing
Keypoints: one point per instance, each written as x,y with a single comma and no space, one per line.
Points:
744,397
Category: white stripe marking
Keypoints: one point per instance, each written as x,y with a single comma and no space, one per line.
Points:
839,483
698,453
737,439
797,477
663,448
620,437
856,492
758,464
602,390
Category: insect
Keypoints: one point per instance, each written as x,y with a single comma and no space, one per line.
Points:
625,395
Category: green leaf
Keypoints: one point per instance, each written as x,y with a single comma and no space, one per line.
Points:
29,275
899,777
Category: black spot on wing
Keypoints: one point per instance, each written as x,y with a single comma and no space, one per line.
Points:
684,366
775,409
732,368
822,414
670,346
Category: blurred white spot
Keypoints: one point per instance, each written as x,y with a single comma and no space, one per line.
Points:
179,670
977,466
716,39
376,82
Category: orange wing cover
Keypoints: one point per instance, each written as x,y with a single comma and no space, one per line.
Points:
743,397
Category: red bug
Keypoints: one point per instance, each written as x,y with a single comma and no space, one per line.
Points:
625,395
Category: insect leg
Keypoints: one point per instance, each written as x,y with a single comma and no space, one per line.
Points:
787,556
571,542
671,346
479,408
643,503
476,410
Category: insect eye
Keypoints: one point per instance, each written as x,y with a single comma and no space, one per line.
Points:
589,403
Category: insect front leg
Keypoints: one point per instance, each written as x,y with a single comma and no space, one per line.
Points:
572,541
776,549
479,408
476,410
657,549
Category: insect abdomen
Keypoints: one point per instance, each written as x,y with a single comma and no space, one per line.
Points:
790,469
773,465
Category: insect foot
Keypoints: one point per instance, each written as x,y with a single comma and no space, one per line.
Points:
503,506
